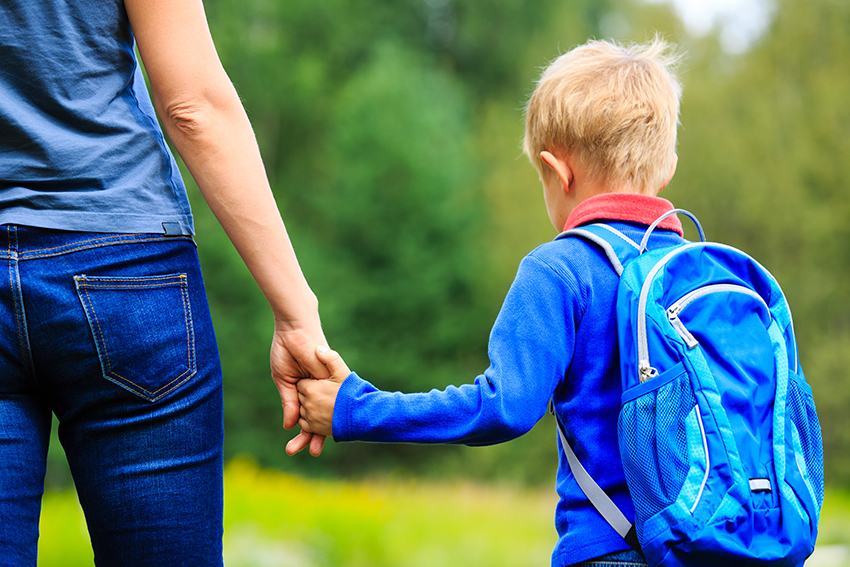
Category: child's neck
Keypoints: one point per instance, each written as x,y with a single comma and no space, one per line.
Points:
628,207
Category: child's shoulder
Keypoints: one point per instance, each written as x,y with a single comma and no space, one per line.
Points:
569,251
572,258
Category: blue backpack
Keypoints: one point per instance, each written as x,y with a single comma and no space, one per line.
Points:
718,434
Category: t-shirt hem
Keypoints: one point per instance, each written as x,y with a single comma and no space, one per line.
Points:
83,221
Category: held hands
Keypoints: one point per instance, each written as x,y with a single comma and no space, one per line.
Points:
317,399
293,357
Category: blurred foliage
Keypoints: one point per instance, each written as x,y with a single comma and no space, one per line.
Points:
763,162
391,133
274,519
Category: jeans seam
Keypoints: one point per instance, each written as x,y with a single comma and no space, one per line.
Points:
181,281
14,292
113,240
18,300
90,284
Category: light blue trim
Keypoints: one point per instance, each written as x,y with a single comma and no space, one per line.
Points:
706,386
782,313
800,457
707,463
780,355
698,459
730,506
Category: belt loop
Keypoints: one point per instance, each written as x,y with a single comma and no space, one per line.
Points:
12,240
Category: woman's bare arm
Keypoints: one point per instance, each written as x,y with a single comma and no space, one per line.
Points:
203,117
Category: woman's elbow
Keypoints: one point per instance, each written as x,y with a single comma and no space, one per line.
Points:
193,116
186,118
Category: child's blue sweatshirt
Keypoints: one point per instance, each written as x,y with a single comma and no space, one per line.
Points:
555,337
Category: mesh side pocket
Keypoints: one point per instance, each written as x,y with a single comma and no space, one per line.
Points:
800,408
654,446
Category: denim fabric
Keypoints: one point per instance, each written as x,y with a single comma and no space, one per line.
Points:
112,334
628,558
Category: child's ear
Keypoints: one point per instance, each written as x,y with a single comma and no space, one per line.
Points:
560,167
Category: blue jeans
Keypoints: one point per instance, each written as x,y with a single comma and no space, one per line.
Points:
112,334
628,558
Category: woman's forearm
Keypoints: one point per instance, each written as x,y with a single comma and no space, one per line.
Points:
218,146
203,117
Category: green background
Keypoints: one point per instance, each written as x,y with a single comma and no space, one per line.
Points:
391,133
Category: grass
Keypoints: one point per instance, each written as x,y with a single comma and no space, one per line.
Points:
834,527
64,539
279,520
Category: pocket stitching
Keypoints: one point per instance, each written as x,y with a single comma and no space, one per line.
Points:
158,281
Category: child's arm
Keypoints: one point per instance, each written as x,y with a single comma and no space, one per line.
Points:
317,397
530,348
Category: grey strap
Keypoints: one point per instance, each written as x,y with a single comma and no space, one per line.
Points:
604,244
648,233
618,247
594,493
601,501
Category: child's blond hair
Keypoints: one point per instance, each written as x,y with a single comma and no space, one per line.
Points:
613,108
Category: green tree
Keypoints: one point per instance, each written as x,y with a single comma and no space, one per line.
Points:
763,163
391,135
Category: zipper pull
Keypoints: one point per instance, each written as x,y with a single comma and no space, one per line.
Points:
673,316
645,371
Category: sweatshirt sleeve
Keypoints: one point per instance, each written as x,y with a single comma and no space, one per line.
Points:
531,345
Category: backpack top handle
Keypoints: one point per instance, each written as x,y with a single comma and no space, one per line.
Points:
648,233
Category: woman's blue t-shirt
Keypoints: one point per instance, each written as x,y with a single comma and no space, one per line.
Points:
80,145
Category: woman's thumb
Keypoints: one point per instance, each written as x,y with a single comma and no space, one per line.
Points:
330,358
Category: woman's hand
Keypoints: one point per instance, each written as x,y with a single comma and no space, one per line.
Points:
318,398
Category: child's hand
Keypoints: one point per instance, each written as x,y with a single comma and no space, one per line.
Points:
317,397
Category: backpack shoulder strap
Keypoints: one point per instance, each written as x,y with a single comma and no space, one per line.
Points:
618,247
601,501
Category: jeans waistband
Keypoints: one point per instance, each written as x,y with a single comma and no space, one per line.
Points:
28,243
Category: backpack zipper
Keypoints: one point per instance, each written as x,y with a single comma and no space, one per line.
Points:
674,310
645,369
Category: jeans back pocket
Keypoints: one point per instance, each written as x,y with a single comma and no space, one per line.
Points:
142,328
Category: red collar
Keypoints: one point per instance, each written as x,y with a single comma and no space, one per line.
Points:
628,207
